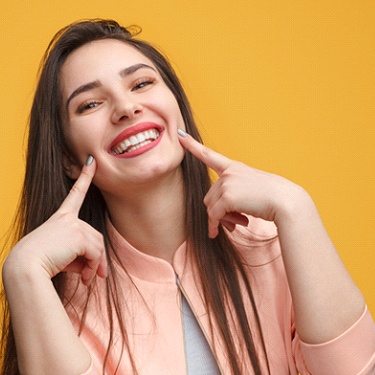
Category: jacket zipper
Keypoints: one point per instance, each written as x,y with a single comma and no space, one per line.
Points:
182,323
183,292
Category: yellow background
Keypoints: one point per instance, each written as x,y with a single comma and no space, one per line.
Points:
285,86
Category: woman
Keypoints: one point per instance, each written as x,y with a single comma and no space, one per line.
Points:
155,271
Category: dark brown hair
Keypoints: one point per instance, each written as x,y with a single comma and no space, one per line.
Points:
46,185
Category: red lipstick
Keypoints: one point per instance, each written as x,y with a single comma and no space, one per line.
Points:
127,140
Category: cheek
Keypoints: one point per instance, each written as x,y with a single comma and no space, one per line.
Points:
167,104
80,143
84,131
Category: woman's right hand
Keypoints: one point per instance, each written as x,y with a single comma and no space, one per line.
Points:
63,242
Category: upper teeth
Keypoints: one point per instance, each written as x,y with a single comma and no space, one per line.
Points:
136,141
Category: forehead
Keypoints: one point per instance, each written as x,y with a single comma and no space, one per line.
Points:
99,60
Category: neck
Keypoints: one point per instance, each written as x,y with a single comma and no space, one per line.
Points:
151,218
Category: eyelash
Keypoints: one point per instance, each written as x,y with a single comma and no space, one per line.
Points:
87,105
140,84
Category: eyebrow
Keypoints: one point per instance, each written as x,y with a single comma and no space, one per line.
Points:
95,84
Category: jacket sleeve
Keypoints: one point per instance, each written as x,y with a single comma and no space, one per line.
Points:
352,353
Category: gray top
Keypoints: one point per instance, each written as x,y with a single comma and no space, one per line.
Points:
199,357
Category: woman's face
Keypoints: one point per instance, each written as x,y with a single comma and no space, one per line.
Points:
118,109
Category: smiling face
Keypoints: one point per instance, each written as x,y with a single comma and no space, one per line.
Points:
118,109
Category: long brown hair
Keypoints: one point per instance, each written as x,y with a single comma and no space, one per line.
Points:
46,185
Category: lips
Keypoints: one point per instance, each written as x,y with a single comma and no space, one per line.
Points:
136,140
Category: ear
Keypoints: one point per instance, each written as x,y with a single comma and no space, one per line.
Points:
71,167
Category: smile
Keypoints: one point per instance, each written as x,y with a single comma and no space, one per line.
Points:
136,141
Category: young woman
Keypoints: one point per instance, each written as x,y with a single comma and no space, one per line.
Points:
128,261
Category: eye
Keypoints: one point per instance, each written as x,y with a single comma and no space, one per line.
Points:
140,84
88,105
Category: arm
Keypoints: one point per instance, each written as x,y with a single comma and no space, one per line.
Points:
45,338
325,299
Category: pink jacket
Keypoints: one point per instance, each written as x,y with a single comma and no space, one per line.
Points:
155,326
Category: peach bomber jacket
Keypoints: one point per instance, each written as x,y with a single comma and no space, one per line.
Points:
152,315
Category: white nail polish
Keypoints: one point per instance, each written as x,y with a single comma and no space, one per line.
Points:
89,160
181,133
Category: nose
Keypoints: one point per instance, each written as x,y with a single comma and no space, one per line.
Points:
126,109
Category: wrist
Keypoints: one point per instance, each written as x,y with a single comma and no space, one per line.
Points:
297,206
21,269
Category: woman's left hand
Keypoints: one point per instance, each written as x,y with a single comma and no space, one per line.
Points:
326,302
241,189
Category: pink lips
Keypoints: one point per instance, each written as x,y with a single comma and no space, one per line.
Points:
133,130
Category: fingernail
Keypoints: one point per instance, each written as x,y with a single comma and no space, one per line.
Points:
181,133
89,160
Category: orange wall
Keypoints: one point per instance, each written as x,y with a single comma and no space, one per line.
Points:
286,86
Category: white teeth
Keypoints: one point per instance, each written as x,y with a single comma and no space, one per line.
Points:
136,141
133,140
141,137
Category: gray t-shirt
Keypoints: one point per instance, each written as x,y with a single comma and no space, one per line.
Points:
199,357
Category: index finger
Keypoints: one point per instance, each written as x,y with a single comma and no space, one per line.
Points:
209,157
77,194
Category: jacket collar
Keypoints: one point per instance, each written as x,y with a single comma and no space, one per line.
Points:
144,266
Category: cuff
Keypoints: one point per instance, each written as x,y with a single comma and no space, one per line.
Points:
353,352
